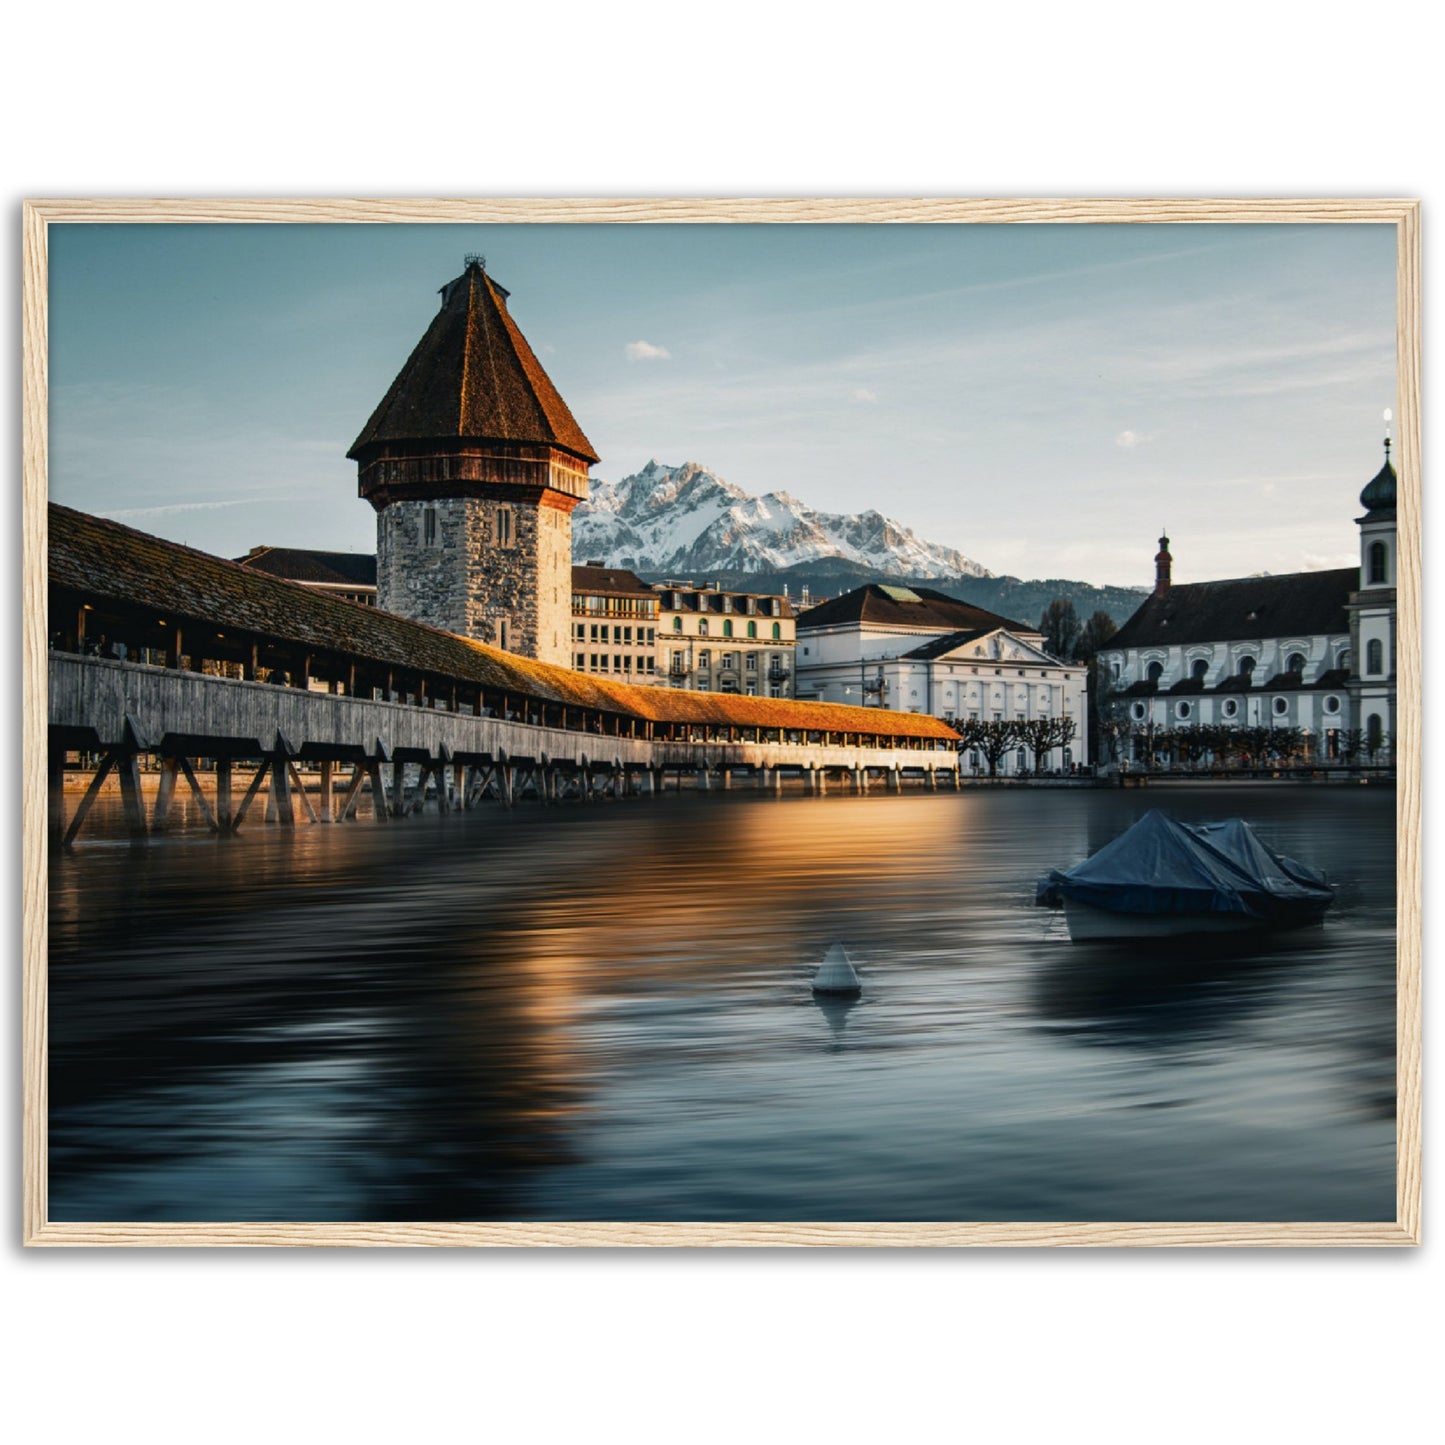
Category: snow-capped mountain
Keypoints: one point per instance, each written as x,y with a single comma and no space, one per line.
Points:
686,520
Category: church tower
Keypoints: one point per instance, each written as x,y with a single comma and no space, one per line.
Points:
1373,613
474,464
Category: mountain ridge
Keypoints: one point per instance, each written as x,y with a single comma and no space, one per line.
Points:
667,522
675,519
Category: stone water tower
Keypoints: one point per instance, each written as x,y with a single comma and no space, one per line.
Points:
474,464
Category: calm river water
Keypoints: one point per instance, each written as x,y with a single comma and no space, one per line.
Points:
604,1013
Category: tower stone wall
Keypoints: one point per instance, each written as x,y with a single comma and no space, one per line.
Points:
497,571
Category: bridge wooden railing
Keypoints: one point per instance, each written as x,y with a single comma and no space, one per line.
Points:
123,712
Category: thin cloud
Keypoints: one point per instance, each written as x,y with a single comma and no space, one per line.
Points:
861,393
115,515
646,351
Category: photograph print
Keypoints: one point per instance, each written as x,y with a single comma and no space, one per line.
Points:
815,732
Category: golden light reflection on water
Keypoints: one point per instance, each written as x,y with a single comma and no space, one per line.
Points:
604,1012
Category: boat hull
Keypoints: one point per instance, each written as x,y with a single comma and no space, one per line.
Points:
1097,925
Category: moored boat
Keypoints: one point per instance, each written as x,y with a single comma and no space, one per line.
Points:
1167,879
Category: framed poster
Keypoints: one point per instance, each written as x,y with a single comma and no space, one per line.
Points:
441,832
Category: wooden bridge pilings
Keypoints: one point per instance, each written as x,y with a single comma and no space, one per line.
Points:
254,739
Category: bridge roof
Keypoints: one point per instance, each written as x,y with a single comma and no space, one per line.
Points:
102,559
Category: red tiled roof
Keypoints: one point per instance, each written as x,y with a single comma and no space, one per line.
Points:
102,559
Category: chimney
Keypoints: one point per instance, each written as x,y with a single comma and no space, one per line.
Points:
1163,563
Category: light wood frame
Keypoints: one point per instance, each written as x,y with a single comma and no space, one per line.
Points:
1404,215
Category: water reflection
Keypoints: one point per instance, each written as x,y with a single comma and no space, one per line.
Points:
606,1013
835,1009
1157,1001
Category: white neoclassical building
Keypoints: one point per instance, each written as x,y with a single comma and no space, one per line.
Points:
1309,650
919,650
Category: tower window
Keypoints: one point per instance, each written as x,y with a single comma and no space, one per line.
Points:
506,533
1155,672
1201,669
429,527
1295,662
1379,564
1374,657
1246,666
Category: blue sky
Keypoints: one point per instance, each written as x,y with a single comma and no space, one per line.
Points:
1043,398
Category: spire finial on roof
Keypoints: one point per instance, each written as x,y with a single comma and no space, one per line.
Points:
474,258
1379,495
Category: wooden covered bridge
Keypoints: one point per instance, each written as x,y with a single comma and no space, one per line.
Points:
161,652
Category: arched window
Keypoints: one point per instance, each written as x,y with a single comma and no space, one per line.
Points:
1345,660
1374,657
1374,733
1246,666
1200,669
752,629
1154,673
728,627
777,631
1295,662
702,626
1379,563
677,624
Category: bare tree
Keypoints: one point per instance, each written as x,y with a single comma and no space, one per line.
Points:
1042,735
1094,635
1060,627
989,739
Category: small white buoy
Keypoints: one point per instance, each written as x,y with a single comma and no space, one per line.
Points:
836,973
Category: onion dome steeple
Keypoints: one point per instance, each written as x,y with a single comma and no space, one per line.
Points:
1163,566
1379,494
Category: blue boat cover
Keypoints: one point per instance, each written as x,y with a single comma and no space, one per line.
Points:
1164,866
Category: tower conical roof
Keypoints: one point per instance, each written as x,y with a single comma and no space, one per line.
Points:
473,376
1379,493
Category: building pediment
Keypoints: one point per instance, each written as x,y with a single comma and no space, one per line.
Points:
1000,646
